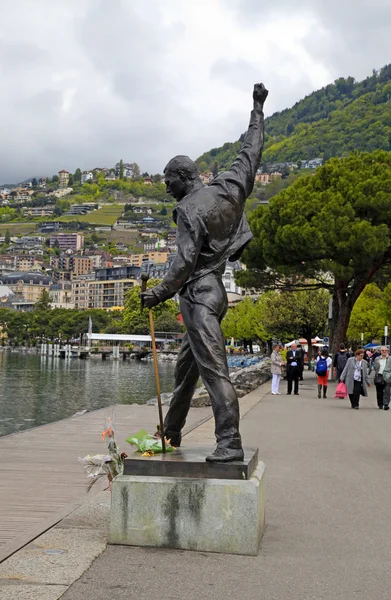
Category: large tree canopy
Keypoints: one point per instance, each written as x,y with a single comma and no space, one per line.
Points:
331,230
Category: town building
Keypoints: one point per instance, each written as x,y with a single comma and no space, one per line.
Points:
206,177
229,278
81,293
276,175
263,178
142,210
28,263
86,176
116,273
67,241
49,227
63,177
70,266
39,211
61,295
155,245
108,294
27,284
65,191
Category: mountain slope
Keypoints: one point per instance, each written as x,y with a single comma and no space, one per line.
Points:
339,118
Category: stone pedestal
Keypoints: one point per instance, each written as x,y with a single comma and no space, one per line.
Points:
190,513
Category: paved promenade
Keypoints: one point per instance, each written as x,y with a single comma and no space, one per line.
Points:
328,533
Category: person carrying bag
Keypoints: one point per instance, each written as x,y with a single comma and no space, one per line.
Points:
383,384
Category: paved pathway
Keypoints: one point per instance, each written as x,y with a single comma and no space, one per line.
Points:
328,531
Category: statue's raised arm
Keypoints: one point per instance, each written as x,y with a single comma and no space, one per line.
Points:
241,175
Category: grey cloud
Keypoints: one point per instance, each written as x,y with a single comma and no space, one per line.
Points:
356,32
87,82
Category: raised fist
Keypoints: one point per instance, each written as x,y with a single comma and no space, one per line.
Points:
260,93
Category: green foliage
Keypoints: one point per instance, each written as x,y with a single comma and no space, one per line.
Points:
7,237
8,214
31,327
334,121
370,313
244,321
290,315
107,215
43,303
134,322
333,228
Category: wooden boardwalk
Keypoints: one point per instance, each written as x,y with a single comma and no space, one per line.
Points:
41,479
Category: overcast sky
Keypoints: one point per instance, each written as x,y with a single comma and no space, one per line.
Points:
87,82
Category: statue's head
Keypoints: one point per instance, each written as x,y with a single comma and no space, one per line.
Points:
180,175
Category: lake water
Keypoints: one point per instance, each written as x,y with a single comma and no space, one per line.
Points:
35,390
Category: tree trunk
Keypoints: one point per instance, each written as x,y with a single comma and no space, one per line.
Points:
309,338
339,322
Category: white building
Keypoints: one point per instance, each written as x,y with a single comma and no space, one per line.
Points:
86,176
229,278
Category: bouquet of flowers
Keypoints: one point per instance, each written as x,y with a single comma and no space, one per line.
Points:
148,445
104,465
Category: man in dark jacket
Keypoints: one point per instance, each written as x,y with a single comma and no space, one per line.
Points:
212,228
340,360
294,368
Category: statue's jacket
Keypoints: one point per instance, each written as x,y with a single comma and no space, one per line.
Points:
212,226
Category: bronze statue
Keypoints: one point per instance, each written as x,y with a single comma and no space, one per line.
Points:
212,228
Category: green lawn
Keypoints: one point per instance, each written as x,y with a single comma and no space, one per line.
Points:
107,215
18,228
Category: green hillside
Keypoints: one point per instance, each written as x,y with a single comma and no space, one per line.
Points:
341,117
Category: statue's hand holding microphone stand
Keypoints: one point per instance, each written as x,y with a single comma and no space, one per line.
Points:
148,300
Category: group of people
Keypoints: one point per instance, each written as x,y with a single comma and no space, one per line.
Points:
295,367
352,369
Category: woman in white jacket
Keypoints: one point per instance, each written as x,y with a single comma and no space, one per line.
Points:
276,365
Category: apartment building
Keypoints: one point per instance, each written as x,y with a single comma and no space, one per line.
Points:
81,293
28,285
110,293
67,241
63,177
61,295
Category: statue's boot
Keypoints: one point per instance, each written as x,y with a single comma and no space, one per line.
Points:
222,454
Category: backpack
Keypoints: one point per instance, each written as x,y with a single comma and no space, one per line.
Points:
321,367
342,359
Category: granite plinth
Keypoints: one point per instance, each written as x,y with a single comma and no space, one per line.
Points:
208,515
190,462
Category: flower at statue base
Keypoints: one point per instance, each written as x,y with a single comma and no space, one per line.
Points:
105,465
148,445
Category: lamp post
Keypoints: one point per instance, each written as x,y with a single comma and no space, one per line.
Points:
362,339
385,335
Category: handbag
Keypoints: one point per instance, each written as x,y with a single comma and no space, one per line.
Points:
379,379
341,390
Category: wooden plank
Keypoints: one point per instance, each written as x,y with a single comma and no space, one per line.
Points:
41,479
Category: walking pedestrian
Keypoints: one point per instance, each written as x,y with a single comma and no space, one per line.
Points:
382,388
323,364
340,360
293,369
276,365
356,378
